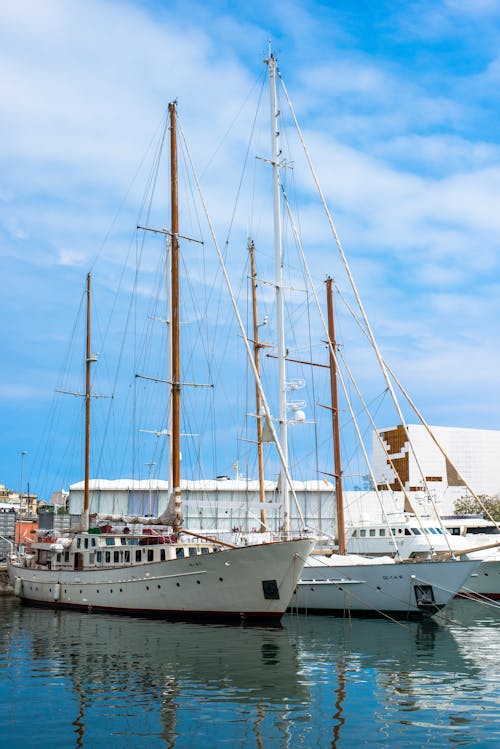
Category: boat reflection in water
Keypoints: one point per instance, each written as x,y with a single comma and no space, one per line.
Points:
99,680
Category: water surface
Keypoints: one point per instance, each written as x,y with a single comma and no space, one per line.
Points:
78,680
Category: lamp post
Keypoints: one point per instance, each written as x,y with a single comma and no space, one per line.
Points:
23,453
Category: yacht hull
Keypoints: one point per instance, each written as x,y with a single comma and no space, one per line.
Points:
248,582
403,590
483,582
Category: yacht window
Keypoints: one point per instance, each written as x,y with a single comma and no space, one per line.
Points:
454,531
110,542
162,555
354,533
426,531
116,556
393,531
99,557
137,555
127,555
179,552
415,532
132,541
66,556
151,555
433,530
381,532
362,533
92,541
407,532
204,550
78,543
372,531
192,551
58,557
107,557
400,531
438,530
86,543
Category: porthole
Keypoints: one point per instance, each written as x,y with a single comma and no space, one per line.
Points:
159,586
221,579
178,584
147,587
121,590
198,582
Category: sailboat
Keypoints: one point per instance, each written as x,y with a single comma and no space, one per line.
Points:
163,571
344,583
354,584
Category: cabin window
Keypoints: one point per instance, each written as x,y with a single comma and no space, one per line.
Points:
381,532
78,543
204,549
66,556
362,533
58,557
151,555
92,541
433,530
426,531
454,531
107,557
99,557
372,531
393,531
407,532
179,552
162,555
132,541
415,532
127,555
354,533
110,542
438,530
192,551
400,531
116,556
86,543
138,555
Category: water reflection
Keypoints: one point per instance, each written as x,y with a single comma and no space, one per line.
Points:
322,681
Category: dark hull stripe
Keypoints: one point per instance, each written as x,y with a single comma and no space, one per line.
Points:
370,614
239,616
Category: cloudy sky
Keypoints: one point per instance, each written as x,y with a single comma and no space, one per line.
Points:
398,101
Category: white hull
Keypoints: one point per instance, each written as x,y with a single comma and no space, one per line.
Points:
252,581
484,582
403,590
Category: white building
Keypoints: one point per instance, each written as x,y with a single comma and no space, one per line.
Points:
474,455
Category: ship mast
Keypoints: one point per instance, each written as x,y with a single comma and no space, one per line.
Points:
256,349
175,321
280,306
89,359
337,459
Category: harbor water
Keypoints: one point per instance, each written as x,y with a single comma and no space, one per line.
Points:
100,681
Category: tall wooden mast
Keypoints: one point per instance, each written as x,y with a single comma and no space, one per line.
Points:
337,459
256,352
88,361
175,319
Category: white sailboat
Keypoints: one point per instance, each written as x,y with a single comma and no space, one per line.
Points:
158,571
344,583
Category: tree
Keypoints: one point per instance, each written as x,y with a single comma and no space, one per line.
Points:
488,505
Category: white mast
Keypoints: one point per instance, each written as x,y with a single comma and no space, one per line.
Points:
280,306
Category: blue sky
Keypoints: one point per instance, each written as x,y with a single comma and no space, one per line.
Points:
399,104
